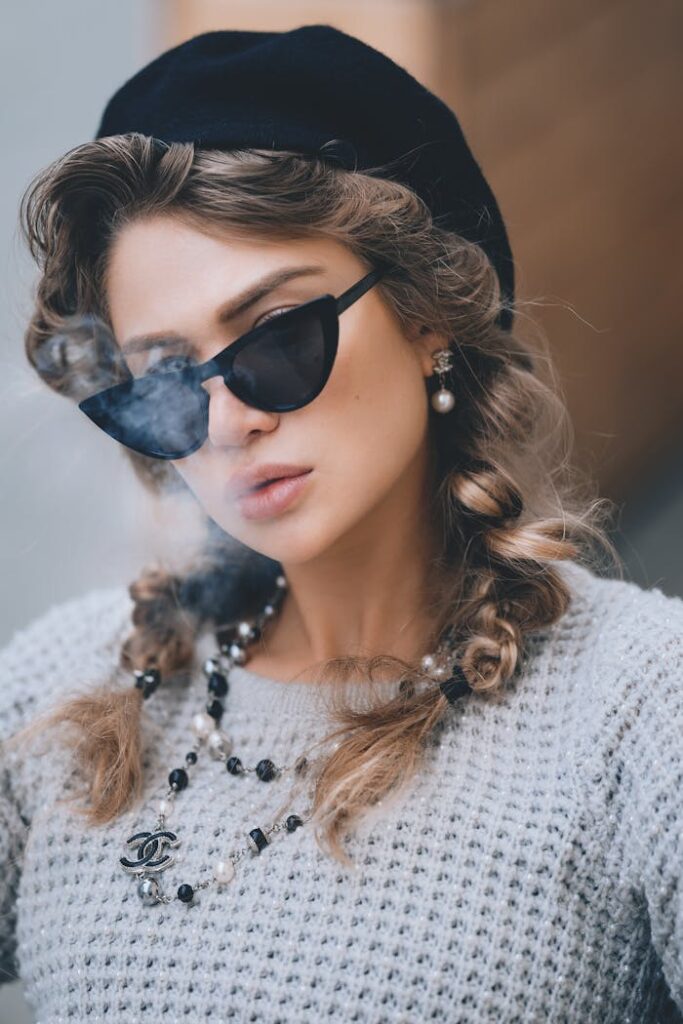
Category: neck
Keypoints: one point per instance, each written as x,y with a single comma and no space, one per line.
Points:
371,593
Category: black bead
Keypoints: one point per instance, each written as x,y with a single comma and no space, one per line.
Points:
259,839
148,681
455,687
218,684
191,757
293,822
152,678
215,709
234,765
266,770
178,779
185,892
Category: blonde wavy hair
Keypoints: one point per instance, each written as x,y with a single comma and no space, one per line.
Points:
508,503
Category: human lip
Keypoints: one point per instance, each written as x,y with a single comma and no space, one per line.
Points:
245,482
272,499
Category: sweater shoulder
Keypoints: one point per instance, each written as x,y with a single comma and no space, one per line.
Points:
76,640
618,655
622,624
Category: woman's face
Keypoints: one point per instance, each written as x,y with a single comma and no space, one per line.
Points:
364,437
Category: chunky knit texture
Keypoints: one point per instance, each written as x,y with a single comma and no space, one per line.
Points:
532,872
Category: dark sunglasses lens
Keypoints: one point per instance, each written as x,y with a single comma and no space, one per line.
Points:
160,415
284,366
287,365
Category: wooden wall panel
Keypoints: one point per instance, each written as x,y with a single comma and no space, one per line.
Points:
580,140
573,111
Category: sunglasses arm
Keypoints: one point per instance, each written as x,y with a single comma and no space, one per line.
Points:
360,288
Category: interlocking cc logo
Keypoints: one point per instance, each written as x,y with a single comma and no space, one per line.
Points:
151,855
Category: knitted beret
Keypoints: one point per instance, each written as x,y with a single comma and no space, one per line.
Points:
317,90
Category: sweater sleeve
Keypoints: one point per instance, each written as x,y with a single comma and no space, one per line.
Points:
645,763
76,639
13,831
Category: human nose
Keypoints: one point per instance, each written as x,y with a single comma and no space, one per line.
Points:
230,419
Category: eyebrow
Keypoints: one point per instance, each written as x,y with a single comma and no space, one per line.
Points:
235,307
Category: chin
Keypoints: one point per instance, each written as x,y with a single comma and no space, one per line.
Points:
288,541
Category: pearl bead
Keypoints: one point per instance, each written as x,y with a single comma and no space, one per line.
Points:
218,744
268,611
439,672
165,807
237,654
427,662
210,666
244,630
202,725
148,890
224,871
281,582
443,400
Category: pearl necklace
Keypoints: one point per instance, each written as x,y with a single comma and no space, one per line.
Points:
154,850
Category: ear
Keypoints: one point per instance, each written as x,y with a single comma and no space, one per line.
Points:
425,343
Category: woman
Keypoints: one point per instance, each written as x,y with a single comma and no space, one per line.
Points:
435,772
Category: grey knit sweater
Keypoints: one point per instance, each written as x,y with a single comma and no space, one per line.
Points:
532,872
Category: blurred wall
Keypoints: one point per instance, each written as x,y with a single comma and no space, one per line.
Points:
58,63
61,532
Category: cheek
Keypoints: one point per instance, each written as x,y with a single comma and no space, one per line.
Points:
202,478
373,415
206,476
186,468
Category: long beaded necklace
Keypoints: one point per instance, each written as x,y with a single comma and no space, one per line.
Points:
154,849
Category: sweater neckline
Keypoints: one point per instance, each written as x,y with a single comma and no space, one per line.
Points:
206,648
250,691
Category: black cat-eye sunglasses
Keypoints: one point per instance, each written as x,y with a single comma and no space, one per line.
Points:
280,365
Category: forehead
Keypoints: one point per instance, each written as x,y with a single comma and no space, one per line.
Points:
155,247
165,275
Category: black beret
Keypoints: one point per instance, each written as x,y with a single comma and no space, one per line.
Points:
317,90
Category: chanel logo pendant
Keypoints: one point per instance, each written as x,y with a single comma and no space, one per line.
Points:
151,855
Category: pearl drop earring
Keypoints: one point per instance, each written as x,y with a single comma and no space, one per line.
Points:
443,400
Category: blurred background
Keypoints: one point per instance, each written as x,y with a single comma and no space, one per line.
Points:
571,108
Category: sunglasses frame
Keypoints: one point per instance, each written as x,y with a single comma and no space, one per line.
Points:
327,307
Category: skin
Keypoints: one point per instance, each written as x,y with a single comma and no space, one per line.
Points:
356,544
